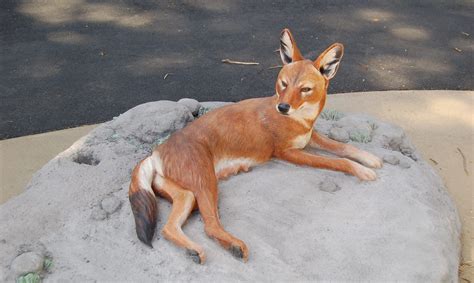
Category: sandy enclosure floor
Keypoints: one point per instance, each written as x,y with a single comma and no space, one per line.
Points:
440,124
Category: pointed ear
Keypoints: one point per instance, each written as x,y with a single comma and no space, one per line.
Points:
289,52
328,62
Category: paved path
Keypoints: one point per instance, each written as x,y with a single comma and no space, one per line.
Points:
67,63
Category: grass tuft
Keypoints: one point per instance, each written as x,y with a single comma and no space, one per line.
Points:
373,126
331,114
48,264
360,137
29,278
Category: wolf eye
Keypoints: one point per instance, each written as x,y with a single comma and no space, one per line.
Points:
306,89
284,84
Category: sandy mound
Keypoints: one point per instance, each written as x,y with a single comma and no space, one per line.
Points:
299,223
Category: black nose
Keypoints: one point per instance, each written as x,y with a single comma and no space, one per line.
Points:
284,108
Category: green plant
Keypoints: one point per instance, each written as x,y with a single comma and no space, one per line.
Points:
48,264
32,277
331,114
373,126
360,137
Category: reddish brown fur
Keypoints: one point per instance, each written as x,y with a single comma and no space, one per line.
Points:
251,129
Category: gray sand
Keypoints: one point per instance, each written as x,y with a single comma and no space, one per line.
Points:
299,223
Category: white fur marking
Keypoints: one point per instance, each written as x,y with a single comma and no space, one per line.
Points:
330,69
306,111
286,50
302,141
158,166
363,172
157,163
228,163
145,174
366,158
331,54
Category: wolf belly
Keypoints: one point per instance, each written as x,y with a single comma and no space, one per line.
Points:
226,167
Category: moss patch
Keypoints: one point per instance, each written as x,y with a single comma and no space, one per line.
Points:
203,110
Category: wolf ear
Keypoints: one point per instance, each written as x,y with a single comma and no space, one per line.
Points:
328,62
289,52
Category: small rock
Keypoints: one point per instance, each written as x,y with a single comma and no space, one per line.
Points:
395,141
98,214
406,147
356,124
323,127
111,204
405,164
192,104
339,134
391,159
329,186
26,263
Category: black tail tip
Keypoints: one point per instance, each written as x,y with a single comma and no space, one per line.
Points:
145,233
144,210
148,244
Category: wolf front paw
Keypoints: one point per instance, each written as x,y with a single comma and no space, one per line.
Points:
363,173
368,159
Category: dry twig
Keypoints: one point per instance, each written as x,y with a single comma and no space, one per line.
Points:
457,49
464,163
228,61
465,33
463,268
275,67
166,75
434,161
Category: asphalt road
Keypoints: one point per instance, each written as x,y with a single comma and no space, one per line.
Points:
66,63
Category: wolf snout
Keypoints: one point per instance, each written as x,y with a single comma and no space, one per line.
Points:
283,108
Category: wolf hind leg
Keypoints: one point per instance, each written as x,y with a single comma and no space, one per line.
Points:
183,203
207,202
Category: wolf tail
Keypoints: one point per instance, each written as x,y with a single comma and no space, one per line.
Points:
143,201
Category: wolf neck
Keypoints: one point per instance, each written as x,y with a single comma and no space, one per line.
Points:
306,114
